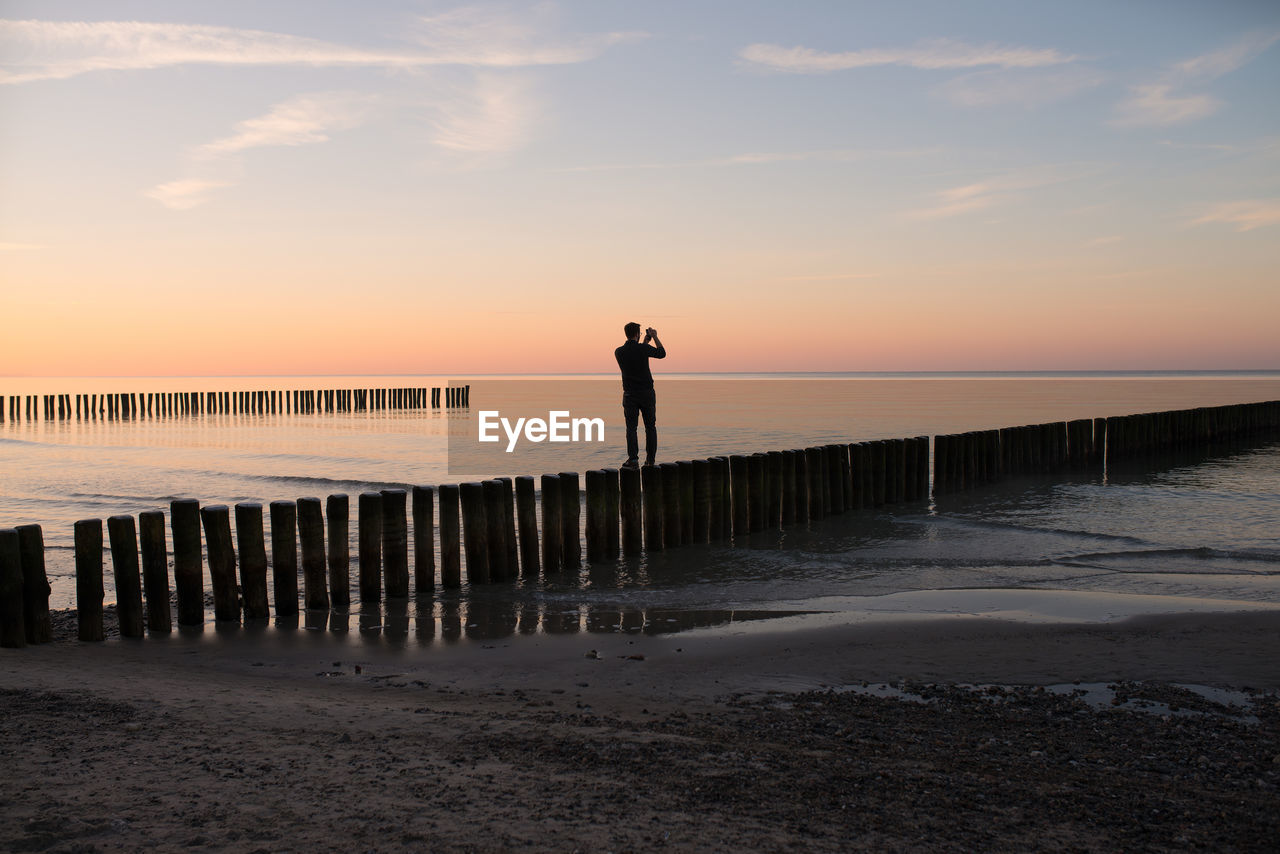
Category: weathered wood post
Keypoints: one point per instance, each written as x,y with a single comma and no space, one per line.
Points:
338,512
509,522
570,516
222,562
774,487
188,563
757,498
496,529
13,631
450,538
685,470
155,571
718,512
124,563
475,532
802,484
815,468
284,557
701,532
395,543
311,534
424,541
251,542
879,472
651,477
89,592
672,535
370,522
527,522
787,480
552,525
35,585
630,507
740,488
612,494
597,509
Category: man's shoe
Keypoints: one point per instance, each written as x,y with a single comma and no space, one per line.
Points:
649,462
631,463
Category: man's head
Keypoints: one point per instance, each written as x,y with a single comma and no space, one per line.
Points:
632,331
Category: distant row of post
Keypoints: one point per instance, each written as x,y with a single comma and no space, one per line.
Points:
504,529
112,407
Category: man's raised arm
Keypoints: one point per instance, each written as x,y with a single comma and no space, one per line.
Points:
660,352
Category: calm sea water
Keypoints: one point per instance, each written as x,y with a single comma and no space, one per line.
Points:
1184,532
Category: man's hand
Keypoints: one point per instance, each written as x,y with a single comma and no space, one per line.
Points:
650,333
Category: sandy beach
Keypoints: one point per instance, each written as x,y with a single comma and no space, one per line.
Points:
713,739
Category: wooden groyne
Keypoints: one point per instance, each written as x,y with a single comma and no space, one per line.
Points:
136,405
494,524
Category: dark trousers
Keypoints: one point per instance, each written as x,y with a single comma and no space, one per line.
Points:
635,404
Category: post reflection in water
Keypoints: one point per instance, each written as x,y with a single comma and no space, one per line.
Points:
450,620
396,623
424,620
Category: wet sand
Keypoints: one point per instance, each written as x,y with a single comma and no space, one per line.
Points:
703,740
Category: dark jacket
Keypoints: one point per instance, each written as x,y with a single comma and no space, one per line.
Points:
633,360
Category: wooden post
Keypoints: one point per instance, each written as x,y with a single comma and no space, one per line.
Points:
597,508
89,594
251,542
802,484
701,532
612,487
527,522
630,507
424,541
188,563
787,480
552,524
124,562
757,498
395,543
509,523
878,473
284,557
369,543
13,632
496,529
338,511
717,468
475,532
155,571
35,585
773,490
570,516
685,469
450,538
311,535
738,473
651,477
672,533
813,462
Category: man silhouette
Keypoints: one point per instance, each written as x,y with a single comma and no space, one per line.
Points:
638,397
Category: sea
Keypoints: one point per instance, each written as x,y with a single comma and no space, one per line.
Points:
1194,532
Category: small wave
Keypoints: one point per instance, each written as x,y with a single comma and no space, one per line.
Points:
1199,553
300,480
961,521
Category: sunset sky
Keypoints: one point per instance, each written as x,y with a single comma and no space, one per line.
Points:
272,187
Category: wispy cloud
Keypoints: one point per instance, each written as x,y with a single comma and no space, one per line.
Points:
184,194
931,55
56,50
1165,101
830,277
1245,215
492,113
762,158
1158,104
1107,240
991,192
1019,87
303,120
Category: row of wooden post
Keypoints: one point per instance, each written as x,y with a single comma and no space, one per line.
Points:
964,460
496,522
110,407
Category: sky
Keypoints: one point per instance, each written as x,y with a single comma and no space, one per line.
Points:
418,187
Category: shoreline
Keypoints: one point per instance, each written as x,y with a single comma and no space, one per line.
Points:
708,738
